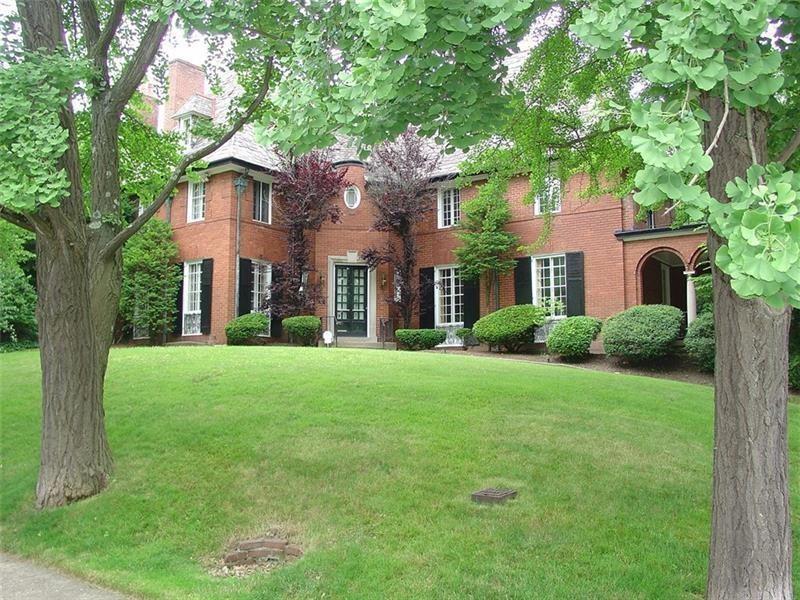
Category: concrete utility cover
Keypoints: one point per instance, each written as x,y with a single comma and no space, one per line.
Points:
493,495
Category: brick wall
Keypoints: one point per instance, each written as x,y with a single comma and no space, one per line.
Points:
611,266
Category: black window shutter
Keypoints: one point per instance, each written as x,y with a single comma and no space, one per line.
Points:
206,277
575,287
275,326
177,328
523,284
472,302
245,286
426,307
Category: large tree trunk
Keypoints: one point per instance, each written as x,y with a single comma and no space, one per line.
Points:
750,552
76,310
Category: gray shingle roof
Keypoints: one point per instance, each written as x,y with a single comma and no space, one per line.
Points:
196,104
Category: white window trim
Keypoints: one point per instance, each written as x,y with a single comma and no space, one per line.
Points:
358,197
537,203
534,281
186,291
190,200
437,292
269,202
253,309
440,208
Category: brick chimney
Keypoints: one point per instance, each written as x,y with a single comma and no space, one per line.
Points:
184,80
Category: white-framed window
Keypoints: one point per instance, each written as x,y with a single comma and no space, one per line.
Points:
192,271
448,297
550,283
185,124
196,204
352,197
262,279
550,199
262,202
140,332
449,207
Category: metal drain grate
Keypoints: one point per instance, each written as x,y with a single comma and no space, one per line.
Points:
493,495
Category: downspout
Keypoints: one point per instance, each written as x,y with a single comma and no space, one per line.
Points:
240,184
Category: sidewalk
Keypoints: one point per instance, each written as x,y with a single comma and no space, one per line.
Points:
20,580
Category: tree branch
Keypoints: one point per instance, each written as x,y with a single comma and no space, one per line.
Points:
118,240
114,20
90,22
790,148
135,70
589,136
16,218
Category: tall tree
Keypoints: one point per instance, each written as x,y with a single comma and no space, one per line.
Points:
306,188
486,247
366,67
150,280
694,109
399,180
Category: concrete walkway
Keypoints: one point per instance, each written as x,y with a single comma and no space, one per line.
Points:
21,580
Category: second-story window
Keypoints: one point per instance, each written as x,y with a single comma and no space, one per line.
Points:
262,202
196,206
449,207
185,125
550,199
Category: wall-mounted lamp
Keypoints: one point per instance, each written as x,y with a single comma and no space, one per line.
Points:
383,281
322,280
240,183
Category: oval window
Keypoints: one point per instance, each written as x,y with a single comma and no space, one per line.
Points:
352,196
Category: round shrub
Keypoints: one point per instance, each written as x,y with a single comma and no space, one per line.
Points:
420,339
572,337
699,342
509,327
243,329
303,329
704,293
642,332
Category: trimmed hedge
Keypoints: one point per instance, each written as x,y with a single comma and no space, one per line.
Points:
243,329
699,341
303,329
420,339
642,332
510,327
704,293
572,337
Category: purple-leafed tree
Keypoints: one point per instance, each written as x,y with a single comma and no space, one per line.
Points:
399,182
305,189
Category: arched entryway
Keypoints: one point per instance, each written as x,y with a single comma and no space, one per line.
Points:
662,279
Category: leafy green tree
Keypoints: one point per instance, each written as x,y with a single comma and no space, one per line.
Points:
150,280
367,68
486,250
691,103
17,295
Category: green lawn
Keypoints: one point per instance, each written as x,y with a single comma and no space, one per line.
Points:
369,458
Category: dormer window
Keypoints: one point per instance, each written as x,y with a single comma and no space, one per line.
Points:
185,126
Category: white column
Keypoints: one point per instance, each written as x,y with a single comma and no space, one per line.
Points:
691,300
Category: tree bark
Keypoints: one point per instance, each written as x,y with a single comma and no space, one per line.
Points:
750,552
75,318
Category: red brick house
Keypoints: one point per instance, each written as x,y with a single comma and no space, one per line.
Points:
598,259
